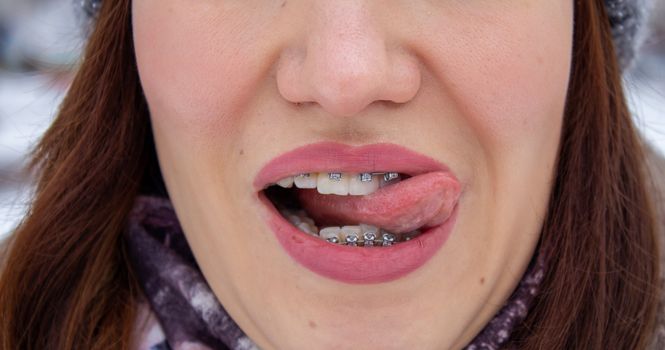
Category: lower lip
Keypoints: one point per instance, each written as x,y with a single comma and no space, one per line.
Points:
357,265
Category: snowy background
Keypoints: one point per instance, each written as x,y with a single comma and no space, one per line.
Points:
40,40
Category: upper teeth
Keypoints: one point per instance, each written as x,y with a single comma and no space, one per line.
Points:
306,180
340,183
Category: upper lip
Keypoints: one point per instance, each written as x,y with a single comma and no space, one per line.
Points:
337,157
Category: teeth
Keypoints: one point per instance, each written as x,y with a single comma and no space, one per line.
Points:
303,226
333,183
351,231
294,219
329,233
369,231
300,220
352,235
388,239
305,218
335,177
306,180
369,238
286,182
363,184
388,179
351,240
365,177
342,184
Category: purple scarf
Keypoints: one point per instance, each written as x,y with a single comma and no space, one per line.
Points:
188,314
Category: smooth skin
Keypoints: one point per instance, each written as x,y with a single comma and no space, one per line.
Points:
478,85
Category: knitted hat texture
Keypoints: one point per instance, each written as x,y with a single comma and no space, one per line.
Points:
629,26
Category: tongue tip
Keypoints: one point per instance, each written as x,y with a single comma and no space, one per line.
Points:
422,200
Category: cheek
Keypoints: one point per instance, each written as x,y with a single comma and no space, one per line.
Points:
196,71
508,73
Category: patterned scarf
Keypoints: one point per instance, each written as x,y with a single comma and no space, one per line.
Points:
186,315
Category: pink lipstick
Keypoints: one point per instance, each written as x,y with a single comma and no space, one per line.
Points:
408,202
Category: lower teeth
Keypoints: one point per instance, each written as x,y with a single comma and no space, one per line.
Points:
355,236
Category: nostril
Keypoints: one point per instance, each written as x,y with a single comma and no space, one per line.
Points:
345,97
345,73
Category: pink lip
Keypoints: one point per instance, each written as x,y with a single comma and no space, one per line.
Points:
352,264
332,156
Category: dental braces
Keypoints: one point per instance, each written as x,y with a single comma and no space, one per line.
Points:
364,177
368,240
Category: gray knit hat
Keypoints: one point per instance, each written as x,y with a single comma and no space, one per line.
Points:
627,17
629,26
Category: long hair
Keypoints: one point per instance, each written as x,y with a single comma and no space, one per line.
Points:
601,290
67,283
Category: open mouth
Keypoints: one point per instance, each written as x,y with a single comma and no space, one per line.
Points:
301,200
358,214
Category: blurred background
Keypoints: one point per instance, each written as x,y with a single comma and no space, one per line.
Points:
41,41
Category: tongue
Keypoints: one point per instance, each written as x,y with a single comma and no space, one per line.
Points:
421,201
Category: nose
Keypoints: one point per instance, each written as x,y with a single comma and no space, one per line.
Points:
346,57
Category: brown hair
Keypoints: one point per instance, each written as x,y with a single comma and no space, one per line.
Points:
601,289
67,282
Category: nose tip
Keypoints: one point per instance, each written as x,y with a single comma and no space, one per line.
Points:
345,65
348,87
345,85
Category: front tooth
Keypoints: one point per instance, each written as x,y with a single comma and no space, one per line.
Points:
306,180
365,177
359,187
329,233
286,182
333,183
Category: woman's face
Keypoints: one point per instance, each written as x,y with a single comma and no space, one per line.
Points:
476,87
